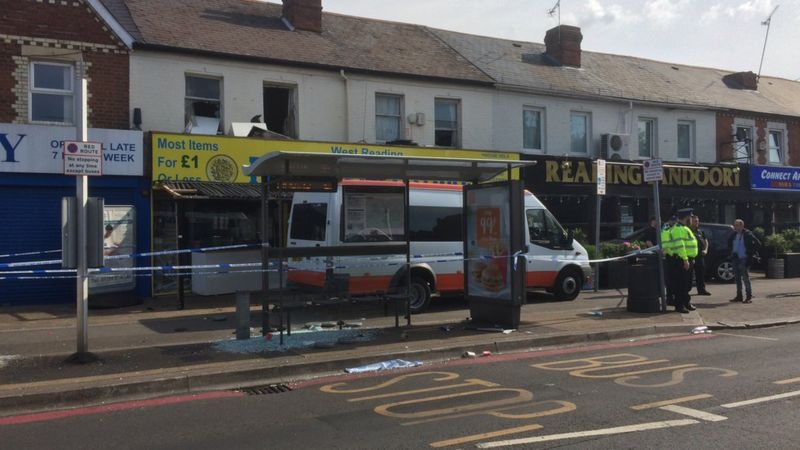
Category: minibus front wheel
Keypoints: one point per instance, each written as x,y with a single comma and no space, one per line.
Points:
568,284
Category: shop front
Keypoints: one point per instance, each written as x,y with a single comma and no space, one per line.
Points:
31,188
201,198
718,193
782,184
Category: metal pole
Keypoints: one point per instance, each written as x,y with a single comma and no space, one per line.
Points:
597,241
406,217
179,279
265,326
661,289
82,195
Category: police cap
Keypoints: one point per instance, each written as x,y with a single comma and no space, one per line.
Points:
685,212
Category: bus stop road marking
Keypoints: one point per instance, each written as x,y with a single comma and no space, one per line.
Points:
789,381
489,435
588,433
761,399
748,336
670,402
695,413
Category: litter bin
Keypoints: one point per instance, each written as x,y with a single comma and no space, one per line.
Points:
643,284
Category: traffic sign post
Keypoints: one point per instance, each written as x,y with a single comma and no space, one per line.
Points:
654,173
601,191
83,158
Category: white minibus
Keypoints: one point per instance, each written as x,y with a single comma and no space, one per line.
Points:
367,212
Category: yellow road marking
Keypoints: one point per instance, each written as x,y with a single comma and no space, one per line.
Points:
789,381
670,402
468,383
564,407
478,437
761,399
523,396
600,432
748,336
694,413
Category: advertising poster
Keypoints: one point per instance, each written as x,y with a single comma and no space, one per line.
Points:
119,238
180,157
488,243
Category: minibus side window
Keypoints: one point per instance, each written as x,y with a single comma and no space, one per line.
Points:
544,229
308,221
373,215
435,224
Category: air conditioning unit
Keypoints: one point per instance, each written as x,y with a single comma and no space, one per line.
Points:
615,146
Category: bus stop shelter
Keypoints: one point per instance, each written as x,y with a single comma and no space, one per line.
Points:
304,171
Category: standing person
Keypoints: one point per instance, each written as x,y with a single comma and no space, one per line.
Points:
699,261
679,245
743,245
650,237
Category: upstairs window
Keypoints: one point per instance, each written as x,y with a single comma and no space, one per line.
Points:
685,139
52,93
279,110
447,123
203,105
579,133
647,138
775,145
743,142
388,117
531,129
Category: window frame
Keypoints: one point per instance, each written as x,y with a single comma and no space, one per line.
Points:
653,151
541,144
781,147
457,130
32,89
691,125
587,132
219,79
401,103
750,149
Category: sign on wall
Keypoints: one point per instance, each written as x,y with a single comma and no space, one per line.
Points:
39,149
180,157
774,178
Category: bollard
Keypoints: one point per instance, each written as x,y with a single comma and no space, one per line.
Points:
242,315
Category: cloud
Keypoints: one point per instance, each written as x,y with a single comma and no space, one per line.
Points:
594,13
664,12
747,9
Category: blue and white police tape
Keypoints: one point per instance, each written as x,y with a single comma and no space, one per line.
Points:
17,255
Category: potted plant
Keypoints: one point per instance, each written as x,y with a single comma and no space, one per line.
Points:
791,260
776,247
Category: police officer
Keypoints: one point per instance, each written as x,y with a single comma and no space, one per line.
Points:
679,246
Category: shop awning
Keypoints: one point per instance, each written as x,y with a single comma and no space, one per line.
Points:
373,167
203,190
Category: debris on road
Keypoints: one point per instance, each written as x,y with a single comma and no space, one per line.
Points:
468,354
298,339
385,365
700,330
596,313
486,353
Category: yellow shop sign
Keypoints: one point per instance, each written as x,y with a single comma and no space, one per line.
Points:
182,157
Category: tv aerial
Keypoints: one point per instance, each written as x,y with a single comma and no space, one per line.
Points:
766,22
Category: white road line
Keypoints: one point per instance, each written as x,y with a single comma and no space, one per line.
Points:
600,432
761,399
789,381
696,413
670,402
748,336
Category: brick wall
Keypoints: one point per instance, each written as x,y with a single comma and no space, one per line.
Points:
7,81
66,20
793,153
68,31
760,144
108,85
724,147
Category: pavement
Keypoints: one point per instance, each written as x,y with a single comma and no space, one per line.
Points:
153,349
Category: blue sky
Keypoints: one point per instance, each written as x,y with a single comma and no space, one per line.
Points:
725,34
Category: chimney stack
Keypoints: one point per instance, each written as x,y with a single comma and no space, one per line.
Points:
563,45
304,14
741,80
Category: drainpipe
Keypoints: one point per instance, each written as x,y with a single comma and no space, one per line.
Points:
346,104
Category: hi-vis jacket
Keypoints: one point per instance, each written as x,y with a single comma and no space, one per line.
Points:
679,241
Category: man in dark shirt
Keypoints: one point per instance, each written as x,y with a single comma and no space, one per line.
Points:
699,261
650,234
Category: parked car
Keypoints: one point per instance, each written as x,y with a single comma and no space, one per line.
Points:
718,265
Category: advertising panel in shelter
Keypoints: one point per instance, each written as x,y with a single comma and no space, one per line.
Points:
488,242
